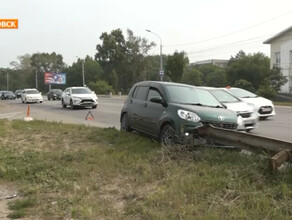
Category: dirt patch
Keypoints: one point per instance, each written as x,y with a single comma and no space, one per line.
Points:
7,194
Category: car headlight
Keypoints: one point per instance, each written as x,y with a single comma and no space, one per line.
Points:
189,116
240,121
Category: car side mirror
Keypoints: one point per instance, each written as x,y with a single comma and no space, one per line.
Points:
159,100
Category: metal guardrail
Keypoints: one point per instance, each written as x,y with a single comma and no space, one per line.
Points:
249,142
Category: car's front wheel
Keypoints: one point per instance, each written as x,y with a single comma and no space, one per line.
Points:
63,104
167,135
125,123
71,104
94,106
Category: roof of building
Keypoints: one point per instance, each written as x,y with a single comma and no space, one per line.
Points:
268,41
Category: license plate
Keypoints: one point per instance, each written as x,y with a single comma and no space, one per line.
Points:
266,109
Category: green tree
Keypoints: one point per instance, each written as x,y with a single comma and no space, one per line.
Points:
192,76
213,75
45,62
125,57
101,87
244,84
253,68
175,66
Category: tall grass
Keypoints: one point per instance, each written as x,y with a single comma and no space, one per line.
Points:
68,171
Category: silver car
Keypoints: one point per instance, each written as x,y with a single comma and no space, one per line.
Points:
246,110
79,97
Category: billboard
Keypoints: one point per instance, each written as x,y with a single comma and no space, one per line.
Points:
55,78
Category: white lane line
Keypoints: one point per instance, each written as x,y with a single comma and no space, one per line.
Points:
10,115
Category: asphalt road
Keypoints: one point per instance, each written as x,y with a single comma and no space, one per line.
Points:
107,114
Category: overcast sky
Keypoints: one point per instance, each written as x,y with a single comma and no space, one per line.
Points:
204,29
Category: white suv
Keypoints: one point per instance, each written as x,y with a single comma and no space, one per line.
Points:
31,95
79,97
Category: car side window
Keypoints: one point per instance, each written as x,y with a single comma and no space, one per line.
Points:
153,93
140,92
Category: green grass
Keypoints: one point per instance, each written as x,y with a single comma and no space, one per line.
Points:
282,103
77,172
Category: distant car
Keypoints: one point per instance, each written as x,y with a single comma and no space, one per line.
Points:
31,95
170,112
17,93
79,97
245,110
7,95
55,94
264,107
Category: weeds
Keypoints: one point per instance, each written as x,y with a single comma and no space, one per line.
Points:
78,172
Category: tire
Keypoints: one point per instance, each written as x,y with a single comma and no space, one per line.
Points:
167,135
49,98
94,106
63,104
125,123
71,104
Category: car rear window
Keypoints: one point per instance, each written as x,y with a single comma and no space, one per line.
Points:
140,92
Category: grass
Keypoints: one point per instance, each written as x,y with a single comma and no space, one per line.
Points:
76,172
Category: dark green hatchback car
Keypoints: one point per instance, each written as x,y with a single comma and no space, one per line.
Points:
171,112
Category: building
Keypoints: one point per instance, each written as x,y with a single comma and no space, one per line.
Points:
281,55
215,62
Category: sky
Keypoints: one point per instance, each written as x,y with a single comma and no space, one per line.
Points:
204,29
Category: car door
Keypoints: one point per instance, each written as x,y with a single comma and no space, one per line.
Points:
153,112
67,96
136,108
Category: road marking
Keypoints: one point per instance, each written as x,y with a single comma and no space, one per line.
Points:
10,115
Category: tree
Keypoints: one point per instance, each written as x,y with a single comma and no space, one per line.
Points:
124,57
253,68
193,76
175,66
213,75
45,62
244,84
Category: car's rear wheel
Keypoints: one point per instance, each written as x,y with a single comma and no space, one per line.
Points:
167,135
125,123
63,104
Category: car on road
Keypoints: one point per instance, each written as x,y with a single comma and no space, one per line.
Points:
7,95
245,110
31,95
264,107
55,94
171,112
79,97
17,93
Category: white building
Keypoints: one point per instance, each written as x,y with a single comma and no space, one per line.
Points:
281,55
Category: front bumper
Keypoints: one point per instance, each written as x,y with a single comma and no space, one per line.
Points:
85,102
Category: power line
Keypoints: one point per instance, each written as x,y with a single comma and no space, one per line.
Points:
222,36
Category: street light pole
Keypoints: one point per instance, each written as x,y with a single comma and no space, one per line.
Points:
161,72
83,78
7,81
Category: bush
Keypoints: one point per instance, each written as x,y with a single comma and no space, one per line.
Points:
101,87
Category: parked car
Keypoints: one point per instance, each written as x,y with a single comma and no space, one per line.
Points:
245,110
79,97
171,112
17,93
264,107
7,95
31,95
55,94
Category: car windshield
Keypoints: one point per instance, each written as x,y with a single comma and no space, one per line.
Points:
8,93
224,97
191,96
81,91
33,91
241,93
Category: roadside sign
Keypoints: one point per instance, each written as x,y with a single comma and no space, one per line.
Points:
161,73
